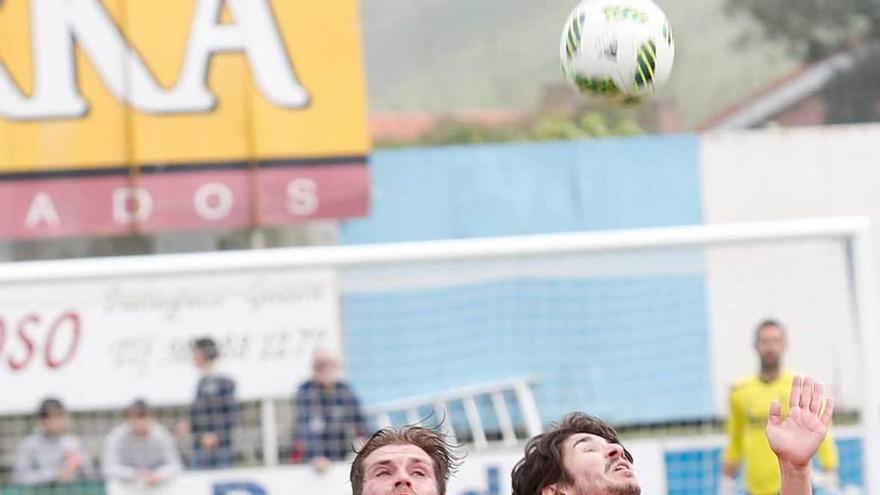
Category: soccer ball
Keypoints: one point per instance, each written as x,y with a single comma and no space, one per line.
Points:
617,50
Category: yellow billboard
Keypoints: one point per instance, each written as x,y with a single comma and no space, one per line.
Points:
104,85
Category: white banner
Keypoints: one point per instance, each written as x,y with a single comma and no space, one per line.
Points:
485,473
101,343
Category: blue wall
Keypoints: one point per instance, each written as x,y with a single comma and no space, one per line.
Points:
591,342
477,191
698,471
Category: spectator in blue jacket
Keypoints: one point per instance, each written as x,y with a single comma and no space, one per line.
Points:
328,416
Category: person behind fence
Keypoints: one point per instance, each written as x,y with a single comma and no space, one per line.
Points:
140,450
749,398
583,455
51,454
407,461
214,411
328,417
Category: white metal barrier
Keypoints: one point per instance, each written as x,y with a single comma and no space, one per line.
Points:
439,404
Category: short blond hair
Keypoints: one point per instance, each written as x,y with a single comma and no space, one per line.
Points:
433,443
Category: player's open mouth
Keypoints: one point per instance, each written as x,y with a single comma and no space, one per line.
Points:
621,467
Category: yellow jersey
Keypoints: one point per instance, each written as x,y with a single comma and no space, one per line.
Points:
747,442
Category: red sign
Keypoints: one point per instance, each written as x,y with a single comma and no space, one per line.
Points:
129,116
179,199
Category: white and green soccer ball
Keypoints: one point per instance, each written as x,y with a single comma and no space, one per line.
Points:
617,50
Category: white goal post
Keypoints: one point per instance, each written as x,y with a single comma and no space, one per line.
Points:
854,233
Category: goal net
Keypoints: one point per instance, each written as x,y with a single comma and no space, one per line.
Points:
491,339
648,330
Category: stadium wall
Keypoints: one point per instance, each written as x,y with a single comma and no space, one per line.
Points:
779,174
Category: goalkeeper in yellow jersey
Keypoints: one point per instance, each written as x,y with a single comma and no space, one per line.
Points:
749,400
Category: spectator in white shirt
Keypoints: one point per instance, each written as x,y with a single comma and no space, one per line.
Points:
140,450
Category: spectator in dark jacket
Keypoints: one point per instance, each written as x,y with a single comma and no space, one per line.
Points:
214,412
328,416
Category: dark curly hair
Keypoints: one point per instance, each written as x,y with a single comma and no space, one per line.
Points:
543,465
432,442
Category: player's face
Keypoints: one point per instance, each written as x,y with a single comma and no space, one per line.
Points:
596,466
399,470
770,344
56,423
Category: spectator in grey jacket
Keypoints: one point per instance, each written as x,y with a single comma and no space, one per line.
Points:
51,454
140,450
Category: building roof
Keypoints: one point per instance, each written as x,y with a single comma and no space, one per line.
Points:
782,94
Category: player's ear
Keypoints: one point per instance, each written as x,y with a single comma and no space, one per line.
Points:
554,489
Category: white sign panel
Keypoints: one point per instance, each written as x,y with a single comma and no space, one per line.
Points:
480,474
103,342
